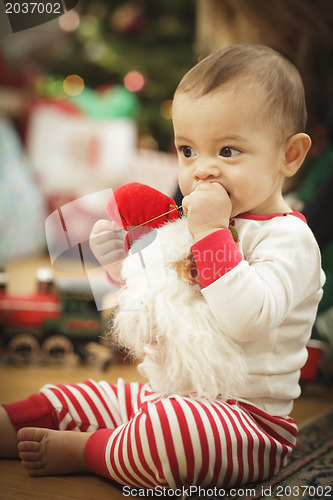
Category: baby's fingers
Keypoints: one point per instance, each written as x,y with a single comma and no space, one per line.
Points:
104,225
185,203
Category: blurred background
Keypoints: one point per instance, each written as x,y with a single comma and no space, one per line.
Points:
88,97
85,105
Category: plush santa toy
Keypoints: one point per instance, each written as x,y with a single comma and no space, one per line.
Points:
162,318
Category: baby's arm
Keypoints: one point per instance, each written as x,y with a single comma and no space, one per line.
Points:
107,244
280,272
253,294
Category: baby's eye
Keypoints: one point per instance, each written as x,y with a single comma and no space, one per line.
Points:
186,151
229,152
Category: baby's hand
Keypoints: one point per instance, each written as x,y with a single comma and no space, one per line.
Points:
107,244
209,209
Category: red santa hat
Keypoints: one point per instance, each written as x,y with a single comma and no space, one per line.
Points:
139,209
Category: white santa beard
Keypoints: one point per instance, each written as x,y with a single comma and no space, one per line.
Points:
166,321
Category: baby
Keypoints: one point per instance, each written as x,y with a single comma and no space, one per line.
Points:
239,118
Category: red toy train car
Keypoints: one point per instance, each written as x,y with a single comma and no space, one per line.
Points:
52,324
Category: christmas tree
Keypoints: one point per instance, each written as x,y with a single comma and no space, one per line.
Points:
143,45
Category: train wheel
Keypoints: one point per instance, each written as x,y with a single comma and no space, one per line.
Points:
57,349
23,348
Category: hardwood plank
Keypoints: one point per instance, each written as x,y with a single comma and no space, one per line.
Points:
17,485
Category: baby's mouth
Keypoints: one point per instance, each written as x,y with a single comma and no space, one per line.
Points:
221,185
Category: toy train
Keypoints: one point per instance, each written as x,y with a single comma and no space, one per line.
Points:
57,323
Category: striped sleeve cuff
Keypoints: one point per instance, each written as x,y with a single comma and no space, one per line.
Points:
35,411
215,255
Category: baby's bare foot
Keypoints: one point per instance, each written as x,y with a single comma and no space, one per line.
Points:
47,452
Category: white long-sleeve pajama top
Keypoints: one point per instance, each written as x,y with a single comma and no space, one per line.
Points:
266,296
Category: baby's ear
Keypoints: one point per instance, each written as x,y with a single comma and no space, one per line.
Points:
295,151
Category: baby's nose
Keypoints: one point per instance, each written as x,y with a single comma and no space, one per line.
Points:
206,170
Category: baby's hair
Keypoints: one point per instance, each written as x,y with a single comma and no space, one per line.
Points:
276,78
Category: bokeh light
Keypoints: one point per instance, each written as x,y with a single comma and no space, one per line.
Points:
73,85
96,50
55,89
134,81
166,109
89,28
69,21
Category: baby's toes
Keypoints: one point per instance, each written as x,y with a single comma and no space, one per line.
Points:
30,434
29,446
30,456
34,468
32,464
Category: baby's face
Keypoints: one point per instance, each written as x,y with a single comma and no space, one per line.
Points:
222,137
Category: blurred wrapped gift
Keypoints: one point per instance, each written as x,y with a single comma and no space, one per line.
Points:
83,143
89,142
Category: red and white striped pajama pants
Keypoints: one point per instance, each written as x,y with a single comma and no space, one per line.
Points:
145,441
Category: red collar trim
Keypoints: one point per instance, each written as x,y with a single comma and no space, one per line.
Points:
248,215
